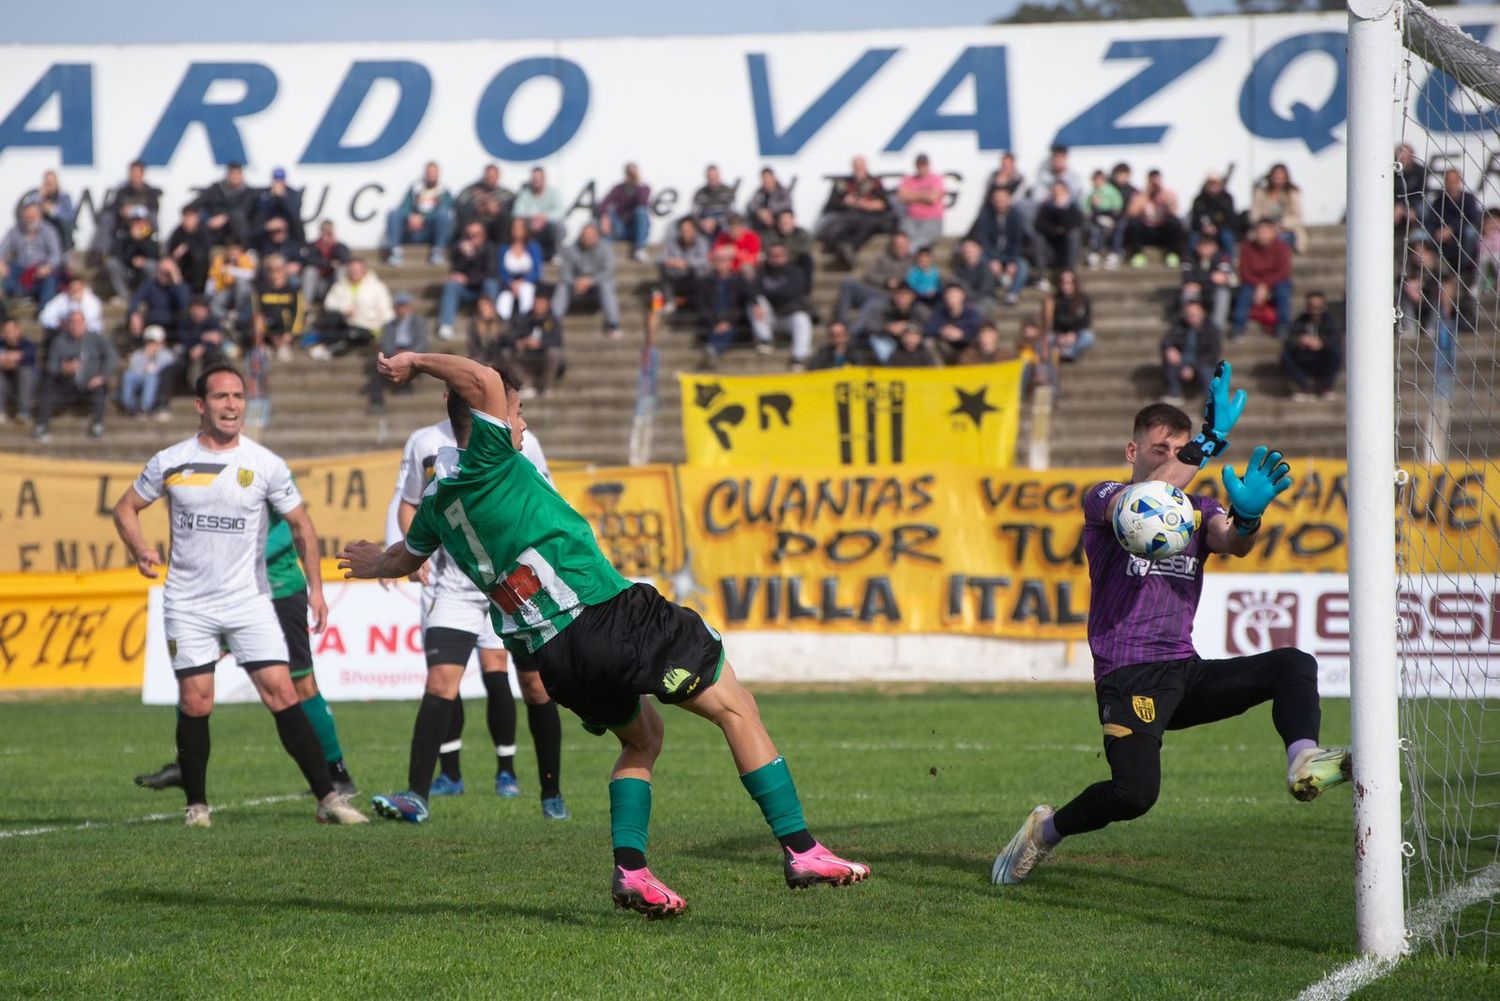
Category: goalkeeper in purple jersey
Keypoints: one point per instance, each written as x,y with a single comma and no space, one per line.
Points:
1147,676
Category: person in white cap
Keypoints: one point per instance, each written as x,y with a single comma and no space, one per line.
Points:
142,378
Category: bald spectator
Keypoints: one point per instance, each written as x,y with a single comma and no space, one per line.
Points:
769,200
923,197
540,204
424,216
625,213
31,257
858,208
586,271
226,205
712,203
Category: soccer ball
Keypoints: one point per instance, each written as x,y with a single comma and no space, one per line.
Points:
1154,520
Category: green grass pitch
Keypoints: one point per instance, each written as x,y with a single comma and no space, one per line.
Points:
1227,889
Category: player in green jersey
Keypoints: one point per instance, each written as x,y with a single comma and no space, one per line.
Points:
600,643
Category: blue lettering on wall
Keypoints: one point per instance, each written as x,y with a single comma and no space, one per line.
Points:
415,85
990,121
1168,59
817,114
1435,110
1314,126
73,84
489,119
189,106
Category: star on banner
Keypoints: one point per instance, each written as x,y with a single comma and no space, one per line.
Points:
973,405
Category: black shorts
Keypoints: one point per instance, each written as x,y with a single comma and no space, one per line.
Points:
291,612
447,646
636,643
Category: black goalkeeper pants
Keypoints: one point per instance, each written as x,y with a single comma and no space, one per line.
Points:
1137,704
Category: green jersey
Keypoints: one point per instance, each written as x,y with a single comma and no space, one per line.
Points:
282,568
514,536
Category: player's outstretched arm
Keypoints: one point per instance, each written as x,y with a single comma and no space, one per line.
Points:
1221,411
305,538
477,385
128,524
368,561
1266,477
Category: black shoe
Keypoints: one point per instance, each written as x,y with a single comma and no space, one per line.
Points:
166,777
343,782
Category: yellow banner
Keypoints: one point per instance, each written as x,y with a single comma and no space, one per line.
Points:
854,417
72,630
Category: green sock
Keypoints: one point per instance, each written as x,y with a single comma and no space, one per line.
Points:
773,790
321,718
629,814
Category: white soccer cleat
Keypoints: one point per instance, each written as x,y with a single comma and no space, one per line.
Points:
1317,769
197,815
336,810
1024,852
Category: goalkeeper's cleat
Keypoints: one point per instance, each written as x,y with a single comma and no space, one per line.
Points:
1024,852
196,815
167,776
343,782
819,865
335,809
444,786
1317,769
408,806
553,808
638,890
506,786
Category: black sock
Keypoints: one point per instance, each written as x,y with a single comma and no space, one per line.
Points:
630,858
432,723
500,713
452,744
301,742
797,841
546,735
192,756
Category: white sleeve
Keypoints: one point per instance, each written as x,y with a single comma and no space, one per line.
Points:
281,491
393,533
532,449
149,484
412,478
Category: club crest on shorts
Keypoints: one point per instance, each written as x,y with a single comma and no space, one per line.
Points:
674,679
245,477
1144,706
171,648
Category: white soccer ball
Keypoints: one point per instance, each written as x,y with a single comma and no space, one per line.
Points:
1154,520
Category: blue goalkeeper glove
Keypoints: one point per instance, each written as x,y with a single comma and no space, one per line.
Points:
1265,478
1221,411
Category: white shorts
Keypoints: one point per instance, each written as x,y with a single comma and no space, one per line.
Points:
446,610
249,629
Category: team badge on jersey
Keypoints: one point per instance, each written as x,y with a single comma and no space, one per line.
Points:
245,477
1144,706
674,679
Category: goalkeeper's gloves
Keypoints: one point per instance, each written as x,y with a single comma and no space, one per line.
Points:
1265,477
1221,410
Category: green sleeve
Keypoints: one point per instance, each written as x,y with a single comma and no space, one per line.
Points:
422,537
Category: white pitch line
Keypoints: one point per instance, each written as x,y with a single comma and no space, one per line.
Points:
1423,921
150,818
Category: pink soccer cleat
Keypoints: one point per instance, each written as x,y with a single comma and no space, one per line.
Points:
819,865
638,890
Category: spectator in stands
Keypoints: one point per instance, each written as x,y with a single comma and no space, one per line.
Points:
745,241
276,241
1004,236
133,258
472,271
115,218
769,201
1487,255
537,339
712,203
922,196
191,246
884,275
356,310
226,205
986,349
1411,192
1213,214
1276,198
486,202
279,201
723,305
1059,227
882,320
31,257
79,365
57,208
321,261
1152,221
540,204
971,272
1120,177
1454,219
1190,351
201,340
1418,287
1314,352
1265,277
1037,352
257,381
924,278
18,371
1006,175
586,271
1069,315
625,213
683,261
520,270
912,350
857,209
231,284
489,343
405,331
278,308
1056,170
76,298
1208,275
953,325
840,351
162,301
780,303
425,216
143,373
796,240
1104,206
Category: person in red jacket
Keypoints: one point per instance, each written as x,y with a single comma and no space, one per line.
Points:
1265,276
744,240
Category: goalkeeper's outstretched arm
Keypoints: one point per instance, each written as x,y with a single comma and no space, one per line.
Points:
477,385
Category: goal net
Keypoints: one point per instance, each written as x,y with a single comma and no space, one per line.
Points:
1447,214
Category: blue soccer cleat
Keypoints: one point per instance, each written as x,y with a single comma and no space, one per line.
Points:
1025,851
444,786
506,786
553,808
407,806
